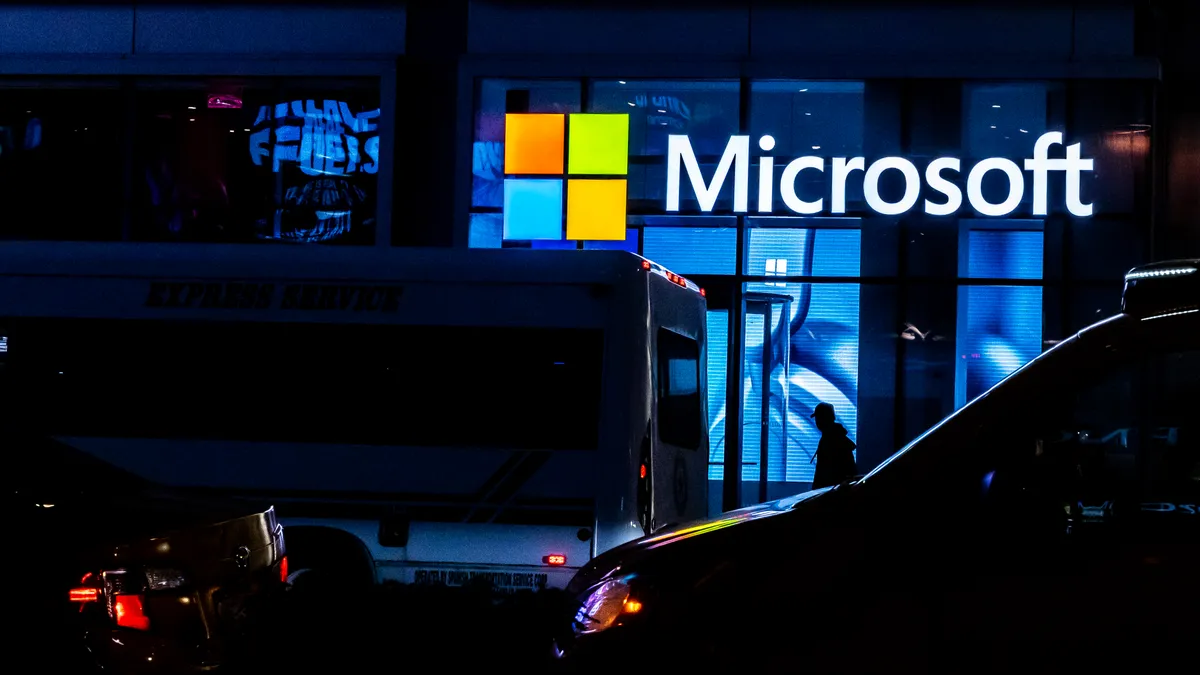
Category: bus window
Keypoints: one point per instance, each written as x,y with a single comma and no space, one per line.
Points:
679,405
487,387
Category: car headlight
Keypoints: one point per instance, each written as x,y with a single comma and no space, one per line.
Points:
606,606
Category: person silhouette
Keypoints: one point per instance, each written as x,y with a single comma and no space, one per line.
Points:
835,451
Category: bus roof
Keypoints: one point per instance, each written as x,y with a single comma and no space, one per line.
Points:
272,261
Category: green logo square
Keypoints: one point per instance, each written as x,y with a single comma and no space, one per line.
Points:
598,145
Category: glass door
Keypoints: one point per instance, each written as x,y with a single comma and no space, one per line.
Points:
766,362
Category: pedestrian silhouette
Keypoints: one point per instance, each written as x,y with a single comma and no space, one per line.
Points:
835,452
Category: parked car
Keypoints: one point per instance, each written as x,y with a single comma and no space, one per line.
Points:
118,572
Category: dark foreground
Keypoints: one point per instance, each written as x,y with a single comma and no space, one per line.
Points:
449,629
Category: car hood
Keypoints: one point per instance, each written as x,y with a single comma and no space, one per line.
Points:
690,540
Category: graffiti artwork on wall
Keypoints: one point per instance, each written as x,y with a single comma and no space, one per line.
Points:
328,142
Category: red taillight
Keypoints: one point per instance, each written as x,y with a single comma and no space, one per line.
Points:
703,294
642,472
555,559
130,613
283,569
645,264
85,594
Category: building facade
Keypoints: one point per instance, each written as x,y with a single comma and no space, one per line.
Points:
890,208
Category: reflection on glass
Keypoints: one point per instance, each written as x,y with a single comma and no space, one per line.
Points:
706,111
813,358
786,251
692,250
497,97
717,347
999,327
284,164
1000,330
60,161
802,114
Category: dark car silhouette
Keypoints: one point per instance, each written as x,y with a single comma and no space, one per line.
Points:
115,571
1050,525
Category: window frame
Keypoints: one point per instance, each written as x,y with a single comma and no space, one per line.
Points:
129,68
669,343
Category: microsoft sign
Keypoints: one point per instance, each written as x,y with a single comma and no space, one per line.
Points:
681,158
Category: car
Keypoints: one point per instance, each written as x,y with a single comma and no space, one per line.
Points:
1051,523
117,572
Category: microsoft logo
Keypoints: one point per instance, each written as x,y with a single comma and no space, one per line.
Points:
585,151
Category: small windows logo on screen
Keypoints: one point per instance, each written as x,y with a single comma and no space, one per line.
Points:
588,155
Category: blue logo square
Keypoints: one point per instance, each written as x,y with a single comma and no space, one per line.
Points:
533,209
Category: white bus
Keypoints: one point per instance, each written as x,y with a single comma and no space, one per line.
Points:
418,415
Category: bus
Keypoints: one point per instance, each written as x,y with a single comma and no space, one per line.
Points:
414,415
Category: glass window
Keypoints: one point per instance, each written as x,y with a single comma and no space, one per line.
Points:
62,160
1003,249
497,98
251,160
717,350
928,357
794,247
819,363
373,385
705,111
1124,439
820,118
691,245
999,330
680,421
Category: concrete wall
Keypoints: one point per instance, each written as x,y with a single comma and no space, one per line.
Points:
145,29
752,30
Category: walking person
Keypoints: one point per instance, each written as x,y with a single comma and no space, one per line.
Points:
835,452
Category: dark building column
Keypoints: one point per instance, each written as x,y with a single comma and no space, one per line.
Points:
1179,130
426,123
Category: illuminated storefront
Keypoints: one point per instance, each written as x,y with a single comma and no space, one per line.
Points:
891,246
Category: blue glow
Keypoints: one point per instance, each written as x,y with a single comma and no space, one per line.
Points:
717,346
1004,254
486,231
822,366
1003,331
554,245
687,250
779,251
322,140
999,327
632,239
533,209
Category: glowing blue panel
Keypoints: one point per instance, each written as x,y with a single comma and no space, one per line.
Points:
785,252
554,244
717,345
533,209
1004,254
838,253
1000,329
630,244
686,250
487,230
821,365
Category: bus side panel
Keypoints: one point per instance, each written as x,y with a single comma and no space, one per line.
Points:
680,491
238,299
627,411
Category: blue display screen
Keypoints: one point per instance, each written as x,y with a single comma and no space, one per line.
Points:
1000,326
813,355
